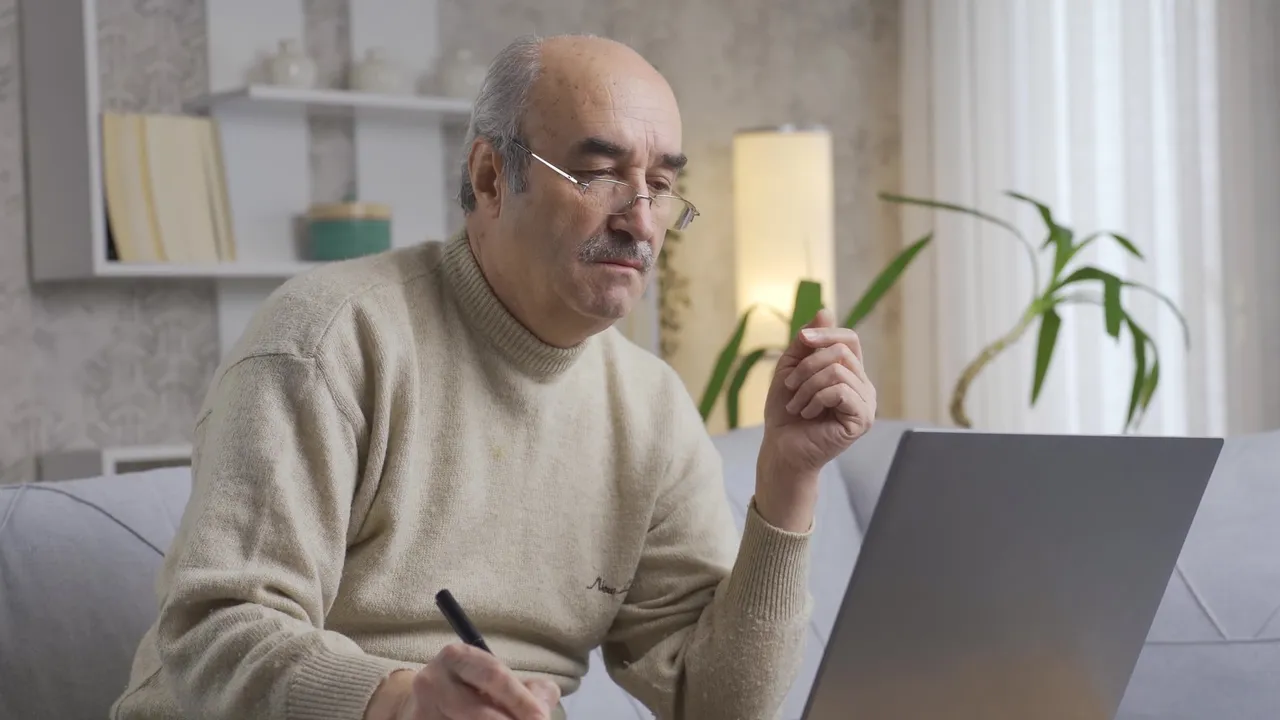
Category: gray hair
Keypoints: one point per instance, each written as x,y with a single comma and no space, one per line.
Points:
499,113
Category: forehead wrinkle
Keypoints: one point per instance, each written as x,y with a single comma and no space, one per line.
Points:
575,102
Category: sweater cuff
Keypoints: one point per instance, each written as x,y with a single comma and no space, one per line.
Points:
338,686
770,577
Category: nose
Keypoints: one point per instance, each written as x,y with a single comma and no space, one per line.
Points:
637,221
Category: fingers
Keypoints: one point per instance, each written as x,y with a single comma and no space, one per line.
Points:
839,398
832,376
457,701
545,690
799,347
487,675
838,354
827,336
824,319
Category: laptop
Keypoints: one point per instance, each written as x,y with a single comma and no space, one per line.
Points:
1010,577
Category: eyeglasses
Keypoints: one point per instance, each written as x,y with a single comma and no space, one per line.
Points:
614,197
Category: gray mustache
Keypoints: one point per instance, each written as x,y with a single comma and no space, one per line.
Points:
613,248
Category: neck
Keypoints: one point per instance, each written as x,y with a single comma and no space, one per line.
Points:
489,316
540,313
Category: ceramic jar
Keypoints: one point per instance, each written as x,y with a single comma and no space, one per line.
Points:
290,67
378,73
461,76
341,230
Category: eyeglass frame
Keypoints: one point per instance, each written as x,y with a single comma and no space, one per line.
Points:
689,214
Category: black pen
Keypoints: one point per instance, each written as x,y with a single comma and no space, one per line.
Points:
459,621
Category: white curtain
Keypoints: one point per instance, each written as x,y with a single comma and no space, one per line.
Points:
1112,113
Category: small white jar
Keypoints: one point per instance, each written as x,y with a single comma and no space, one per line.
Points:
461,76
290,67
378,73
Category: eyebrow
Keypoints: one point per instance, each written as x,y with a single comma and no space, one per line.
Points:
608,148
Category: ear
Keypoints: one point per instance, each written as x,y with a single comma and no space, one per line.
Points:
485,166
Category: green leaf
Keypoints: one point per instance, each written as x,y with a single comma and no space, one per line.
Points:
1089,272
1139,369
1120,239
1111,305
1046,214
1060,236
733,395
1126,244
1050,322
1149,387
724,363
808,303
939,205
884,281
1168,302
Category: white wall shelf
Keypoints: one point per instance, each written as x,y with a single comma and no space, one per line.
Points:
213,271
326,101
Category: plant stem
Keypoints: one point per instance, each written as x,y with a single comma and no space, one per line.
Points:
984,358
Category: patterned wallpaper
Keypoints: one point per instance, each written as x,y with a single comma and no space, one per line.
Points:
92,365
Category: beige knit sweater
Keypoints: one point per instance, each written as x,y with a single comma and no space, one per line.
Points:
386,429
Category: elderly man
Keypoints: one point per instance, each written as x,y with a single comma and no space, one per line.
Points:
462,415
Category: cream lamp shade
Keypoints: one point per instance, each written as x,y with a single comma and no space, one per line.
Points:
784,228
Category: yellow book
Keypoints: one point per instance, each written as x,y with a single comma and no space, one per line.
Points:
179,196
126,188
216,184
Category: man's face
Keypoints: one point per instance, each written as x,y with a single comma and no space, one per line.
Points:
595,124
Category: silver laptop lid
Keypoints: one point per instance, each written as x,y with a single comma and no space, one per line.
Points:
1010,577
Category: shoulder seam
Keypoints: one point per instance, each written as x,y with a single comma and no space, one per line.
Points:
349,413
314,353
316,366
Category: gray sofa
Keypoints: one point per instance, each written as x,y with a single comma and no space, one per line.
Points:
78,559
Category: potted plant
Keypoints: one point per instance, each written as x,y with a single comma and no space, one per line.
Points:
1069,283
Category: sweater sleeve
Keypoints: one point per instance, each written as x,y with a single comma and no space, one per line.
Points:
257,561
713,626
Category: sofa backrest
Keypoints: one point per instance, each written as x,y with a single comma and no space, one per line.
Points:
78,562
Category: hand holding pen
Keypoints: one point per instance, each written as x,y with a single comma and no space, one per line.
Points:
464,681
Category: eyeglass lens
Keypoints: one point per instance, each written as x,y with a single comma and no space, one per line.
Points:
614,198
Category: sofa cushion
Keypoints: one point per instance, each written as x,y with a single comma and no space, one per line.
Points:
1214,647
78,562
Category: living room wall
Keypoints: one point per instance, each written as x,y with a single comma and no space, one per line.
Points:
110,363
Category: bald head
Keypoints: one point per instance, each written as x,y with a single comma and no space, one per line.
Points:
591,88
537,87
578,63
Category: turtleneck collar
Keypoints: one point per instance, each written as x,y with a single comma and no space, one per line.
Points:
482,309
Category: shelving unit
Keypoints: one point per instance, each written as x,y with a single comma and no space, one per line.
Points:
264,140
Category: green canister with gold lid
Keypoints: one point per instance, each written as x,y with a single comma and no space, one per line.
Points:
344,230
